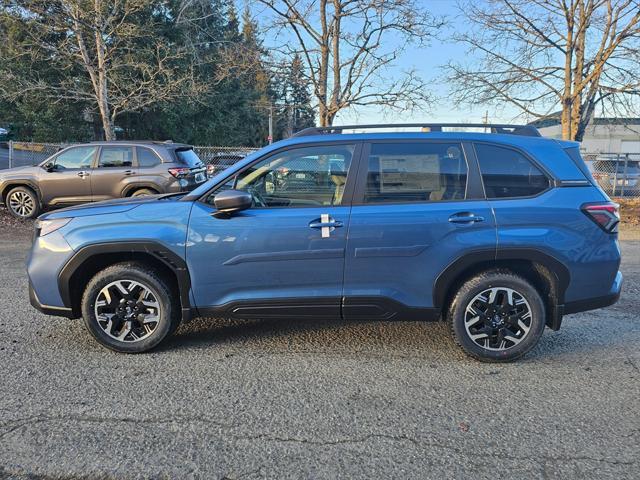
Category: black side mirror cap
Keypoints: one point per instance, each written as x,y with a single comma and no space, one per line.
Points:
229,202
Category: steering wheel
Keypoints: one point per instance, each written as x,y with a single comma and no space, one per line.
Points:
257,197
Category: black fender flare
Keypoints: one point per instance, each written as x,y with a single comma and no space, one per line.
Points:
470,259
169,258
20,182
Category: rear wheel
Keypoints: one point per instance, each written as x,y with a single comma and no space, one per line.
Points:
129,308
23,203
497,316
143,192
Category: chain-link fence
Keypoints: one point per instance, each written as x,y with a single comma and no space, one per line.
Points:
20,154
617,173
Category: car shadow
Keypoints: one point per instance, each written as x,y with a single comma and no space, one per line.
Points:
313,335
581,335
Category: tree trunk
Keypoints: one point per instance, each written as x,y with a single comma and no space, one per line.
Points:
323,74
565,119
102,93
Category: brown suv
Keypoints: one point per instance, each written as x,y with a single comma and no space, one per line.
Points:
100,171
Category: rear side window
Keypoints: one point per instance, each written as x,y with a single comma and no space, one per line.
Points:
507,173
189,158
114,157
415,172
146,157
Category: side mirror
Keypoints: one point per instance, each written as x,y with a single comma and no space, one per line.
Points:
230,202
49,166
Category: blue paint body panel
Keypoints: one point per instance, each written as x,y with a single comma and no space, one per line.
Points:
398,250
265,254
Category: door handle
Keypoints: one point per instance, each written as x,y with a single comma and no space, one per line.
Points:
129,172
83,174
330,223
326,224
465,217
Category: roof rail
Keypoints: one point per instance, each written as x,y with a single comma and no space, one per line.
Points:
524,130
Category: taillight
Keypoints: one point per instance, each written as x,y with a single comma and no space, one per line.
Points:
604,214
180,172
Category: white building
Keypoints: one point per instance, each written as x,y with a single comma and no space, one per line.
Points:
603,135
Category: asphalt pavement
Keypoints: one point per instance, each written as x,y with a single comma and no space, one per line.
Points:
308,399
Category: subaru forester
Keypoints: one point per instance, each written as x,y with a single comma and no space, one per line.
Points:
500,234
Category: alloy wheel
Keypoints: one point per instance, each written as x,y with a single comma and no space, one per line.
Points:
22,204
127,310
498,318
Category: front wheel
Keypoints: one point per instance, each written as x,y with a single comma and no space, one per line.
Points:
129,308
497,316
23,203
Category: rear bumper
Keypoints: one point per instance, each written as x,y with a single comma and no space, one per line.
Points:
48,309
597,302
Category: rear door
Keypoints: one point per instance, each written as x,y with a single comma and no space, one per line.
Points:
114,167
418,207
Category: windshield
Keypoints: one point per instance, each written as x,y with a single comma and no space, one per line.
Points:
189,158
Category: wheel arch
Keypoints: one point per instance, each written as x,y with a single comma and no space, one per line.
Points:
544,271
90,259
132,187
11,184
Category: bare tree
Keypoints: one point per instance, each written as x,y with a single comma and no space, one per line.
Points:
546,55
105,52
350,47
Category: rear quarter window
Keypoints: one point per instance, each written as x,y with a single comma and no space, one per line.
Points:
506,173
189,158
147,157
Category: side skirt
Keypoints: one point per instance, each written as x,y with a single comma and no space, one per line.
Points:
352,308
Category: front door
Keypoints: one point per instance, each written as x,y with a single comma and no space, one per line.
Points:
285,255
114,167
418,206
68,180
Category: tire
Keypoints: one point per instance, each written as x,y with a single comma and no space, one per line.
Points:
498,335
158,318
143,192
23,203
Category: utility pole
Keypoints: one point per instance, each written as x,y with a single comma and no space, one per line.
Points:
270,123
485,120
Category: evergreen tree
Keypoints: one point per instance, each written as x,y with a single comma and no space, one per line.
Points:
295,112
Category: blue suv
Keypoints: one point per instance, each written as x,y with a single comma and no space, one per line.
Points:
499,233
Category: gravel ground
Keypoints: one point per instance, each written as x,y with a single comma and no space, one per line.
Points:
310,399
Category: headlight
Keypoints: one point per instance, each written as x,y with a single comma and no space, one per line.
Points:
45,227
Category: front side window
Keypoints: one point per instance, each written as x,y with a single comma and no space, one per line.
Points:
114,157
309,176
506,173
415,172
75,158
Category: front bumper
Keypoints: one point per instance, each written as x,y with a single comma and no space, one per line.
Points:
48,309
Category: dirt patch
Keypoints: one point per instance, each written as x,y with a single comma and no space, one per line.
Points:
14,227
629,211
